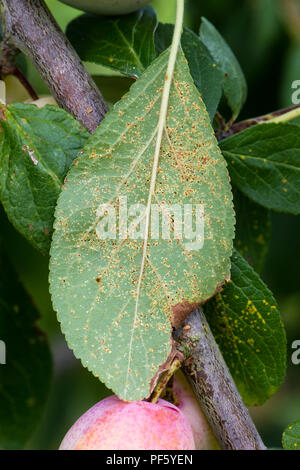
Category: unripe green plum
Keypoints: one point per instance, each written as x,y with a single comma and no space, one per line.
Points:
107,7
113,424
15,91
189,406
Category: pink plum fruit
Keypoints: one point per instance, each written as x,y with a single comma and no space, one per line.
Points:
113,424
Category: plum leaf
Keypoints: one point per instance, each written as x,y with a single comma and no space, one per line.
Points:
124,43
234,85
264,164
36,149
246,323
207,76
117,321
291,436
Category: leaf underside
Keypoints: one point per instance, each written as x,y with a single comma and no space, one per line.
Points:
119,336
207,76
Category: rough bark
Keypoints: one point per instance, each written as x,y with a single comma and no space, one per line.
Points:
214,387
32,29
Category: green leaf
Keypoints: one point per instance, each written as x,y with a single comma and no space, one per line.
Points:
36,149
25,378
252,230
207,76
246,322
117,325
234,85
291,437
264,164
125,43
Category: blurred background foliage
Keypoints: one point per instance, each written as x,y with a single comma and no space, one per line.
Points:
265,36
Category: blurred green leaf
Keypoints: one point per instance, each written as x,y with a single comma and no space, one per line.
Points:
25,378
257,23
166,11
291,437
234,84
264,164
113,88
246,322
125,43
32,269
252,230
207,77
36,150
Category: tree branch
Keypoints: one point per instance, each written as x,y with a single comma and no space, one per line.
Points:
32,29
214,387
282,115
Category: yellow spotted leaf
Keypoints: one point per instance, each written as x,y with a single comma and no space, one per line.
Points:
115,275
